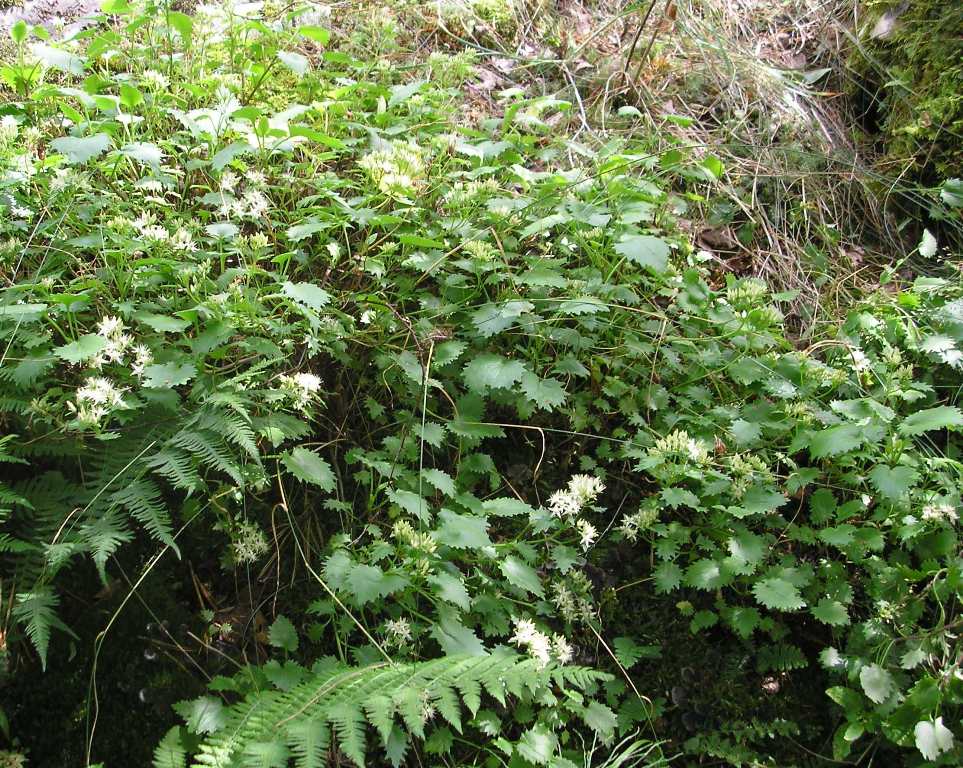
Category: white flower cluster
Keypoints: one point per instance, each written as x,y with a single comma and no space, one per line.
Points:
252,203
151,231
120,346
97,398
155,80
678,445
9,128
539,645
302,387
398,631
567,503
250,543
581,490
397,168
940,513
632,525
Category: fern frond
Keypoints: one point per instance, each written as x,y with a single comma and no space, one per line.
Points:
308,741
142,498
36,610
170,753
177,467
210,450
345,701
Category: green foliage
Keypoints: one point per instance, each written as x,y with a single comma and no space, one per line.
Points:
276,309
334,706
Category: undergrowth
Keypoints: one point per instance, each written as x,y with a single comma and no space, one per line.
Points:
461,444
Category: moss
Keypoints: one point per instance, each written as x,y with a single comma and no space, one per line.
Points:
912,87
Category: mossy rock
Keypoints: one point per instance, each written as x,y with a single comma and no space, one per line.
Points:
909,82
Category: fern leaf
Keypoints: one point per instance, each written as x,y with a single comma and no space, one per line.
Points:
170,753
142,498
266,754
348,722
308,740
36,610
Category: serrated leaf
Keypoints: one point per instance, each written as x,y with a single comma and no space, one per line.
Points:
537,745
298,63
836,440
706,574
308,294
308,467
941,417
831,612
877,683
932,738
600,719
522,576
490,371
667,577
368,583
282,634
145,152
451,589
202,715
440,480
893,482
84,348
547,394
778,594
168,375
646,251
462,531
80,150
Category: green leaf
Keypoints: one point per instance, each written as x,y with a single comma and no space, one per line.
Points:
369,583
778,594
58,58
282,634
941,417
440,480
296,62
130,97
307,294
547,394
202,715
706,574
628,652
455,638
836,440
81,150
521,575
84,348
667,576
488,371
451,589
183,25
168,375
600,719
144,152
318,34
226,155
877,683
893,482
831,612
308,467
462,531
537,745
646,251
18,32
